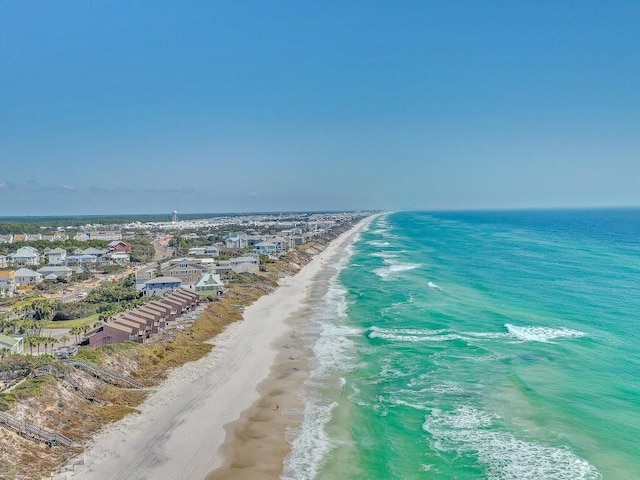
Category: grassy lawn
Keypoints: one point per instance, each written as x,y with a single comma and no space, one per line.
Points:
77,322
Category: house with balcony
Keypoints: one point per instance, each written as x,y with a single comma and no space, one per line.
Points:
119,246
190,271
266,248
55,256
25,257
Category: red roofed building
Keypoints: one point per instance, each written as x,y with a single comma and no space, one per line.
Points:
119,246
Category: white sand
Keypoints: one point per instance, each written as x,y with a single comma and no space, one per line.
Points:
180,429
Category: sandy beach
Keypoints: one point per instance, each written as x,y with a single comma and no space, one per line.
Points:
182,426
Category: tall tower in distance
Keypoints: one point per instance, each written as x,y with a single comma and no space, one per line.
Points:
174,218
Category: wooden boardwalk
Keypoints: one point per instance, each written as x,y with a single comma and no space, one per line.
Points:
103,374
33,432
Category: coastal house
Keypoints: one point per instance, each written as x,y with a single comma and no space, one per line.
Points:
266,248
60,271
25,256
80,260
55,256
120,258
160,286
15,345
189,271
247,264
25,277
111,333
6,238
3,261
210,283
208,251
119,246
7,283
236,240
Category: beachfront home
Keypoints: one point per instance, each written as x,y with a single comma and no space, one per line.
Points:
15,345
6,238
25,256
3,261
210,283
189,271
25,277
266,248
160,286
55,256
248,264
141,322
7,283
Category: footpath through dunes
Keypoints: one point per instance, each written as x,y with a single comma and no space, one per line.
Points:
180,428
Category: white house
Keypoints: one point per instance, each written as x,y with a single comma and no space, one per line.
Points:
15,345
24,277
3,261
121,258
25,256
248,264
55,256
266,248
236,240
210,283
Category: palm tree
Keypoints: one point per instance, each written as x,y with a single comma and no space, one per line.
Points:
65,339
37,341
75,331
30,343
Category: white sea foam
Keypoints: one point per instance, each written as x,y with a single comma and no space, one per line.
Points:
385,254
333,355
434,286
414,338
311,443
541,334
379,243
407,331
503,456
394,268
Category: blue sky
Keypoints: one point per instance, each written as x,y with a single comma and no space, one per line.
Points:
150,106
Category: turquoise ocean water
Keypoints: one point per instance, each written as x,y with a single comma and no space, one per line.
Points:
500,345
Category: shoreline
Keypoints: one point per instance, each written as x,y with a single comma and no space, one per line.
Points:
257,443
181,428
